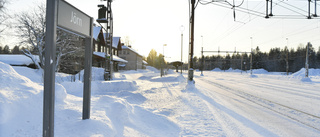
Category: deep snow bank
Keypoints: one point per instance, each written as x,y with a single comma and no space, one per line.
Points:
313,73
302,72
21,103
255,71
115,111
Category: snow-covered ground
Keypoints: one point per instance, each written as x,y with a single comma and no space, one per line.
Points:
141,103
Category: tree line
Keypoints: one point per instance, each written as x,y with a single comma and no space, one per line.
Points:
155,60
276,60
15,50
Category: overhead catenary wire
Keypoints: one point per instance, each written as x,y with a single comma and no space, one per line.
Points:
292,12
226,4
282,1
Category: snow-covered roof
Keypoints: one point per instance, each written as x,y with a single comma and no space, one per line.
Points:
115,40
144,62
115,58
125,47
96,32
14,59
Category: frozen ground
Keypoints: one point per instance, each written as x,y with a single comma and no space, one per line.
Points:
141,103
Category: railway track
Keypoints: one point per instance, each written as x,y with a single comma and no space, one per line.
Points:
299,116
287,90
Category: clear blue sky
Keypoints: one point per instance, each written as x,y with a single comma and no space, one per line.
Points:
150,24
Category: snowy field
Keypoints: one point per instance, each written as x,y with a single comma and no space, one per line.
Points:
141,103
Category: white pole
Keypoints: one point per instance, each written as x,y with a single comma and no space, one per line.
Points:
251,58
307,59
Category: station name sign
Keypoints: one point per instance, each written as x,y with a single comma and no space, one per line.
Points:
73,19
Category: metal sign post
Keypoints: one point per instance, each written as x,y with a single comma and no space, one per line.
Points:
49,69
63,15
87,79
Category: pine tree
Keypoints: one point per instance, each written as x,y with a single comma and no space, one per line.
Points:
1,51
16,50
6,50
152,58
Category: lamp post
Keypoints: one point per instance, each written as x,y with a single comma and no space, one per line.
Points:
287,58
162,61
251,58
181,29
202,57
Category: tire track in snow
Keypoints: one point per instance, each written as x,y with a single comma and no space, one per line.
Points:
289,90
223,106
182,107
302,117
191,112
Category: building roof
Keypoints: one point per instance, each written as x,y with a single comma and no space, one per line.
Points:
14,59
126,47
144,62
115,41
96,32
115,58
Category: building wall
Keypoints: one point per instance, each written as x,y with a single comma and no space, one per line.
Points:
134,61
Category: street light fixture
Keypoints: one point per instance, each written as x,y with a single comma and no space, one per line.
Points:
181,29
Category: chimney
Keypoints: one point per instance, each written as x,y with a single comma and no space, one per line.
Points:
129,46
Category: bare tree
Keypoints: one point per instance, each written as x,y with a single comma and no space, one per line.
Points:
3,15
66,45
31,28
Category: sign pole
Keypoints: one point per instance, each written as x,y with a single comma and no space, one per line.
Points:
49,69
87,76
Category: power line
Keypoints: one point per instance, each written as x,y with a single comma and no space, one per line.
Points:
282,1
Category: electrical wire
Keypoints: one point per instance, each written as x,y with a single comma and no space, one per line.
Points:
291,9
256,12
282,1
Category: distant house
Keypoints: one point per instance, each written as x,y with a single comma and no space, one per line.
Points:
144,64
98,39
133,57
99,49
18,60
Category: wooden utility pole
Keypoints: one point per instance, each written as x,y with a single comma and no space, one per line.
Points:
191,44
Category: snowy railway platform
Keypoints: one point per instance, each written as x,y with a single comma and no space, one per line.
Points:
141,103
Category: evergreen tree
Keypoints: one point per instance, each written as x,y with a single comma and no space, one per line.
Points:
226,62
154,60
6,50
257,59
15,50
318,58
152,57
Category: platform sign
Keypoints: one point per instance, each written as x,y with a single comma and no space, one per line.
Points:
71,18
61,14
